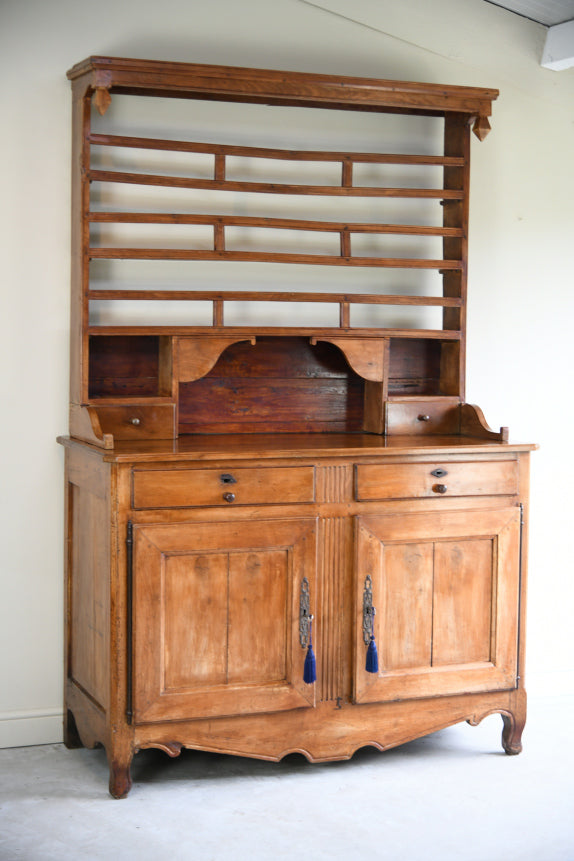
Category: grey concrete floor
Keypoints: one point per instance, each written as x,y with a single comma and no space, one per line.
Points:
452,795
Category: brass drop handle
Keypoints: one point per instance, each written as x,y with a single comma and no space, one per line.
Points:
440,488
135,421
229,497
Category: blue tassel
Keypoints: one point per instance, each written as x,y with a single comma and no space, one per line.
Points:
372,664
310,667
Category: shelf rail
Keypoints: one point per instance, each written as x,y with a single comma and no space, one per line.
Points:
451,233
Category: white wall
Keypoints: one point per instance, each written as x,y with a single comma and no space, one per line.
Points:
521,298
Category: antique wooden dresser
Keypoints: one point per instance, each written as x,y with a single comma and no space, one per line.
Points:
284,532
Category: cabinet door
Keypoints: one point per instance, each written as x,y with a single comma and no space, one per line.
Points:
216,618
445,588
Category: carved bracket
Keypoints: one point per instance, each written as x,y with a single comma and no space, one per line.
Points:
473,423
102,99
481,127
197,356
366,356
85,425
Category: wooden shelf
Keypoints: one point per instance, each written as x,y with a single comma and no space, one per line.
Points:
253,331
348,227
194,80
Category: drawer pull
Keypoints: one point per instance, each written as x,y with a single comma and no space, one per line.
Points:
423,418
227,478
135,422
439,473
229,497
440,488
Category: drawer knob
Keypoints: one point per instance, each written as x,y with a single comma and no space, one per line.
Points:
227,478
440,488
423,418
229,497
135,422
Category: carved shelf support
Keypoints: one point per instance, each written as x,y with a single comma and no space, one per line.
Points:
85,425
368,358
102,99
196,357
473,423
481,127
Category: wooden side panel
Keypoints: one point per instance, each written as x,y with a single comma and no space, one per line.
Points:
405,615
89,577
463,601
456,214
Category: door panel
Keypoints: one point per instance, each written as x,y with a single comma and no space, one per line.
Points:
406,613
463,600
258,593
195,586
445,589
216,618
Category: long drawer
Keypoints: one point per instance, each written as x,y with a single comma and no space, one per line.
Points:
179,488
400,481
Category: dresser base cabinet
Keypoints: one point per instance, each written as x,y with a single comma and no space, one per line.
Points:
187,624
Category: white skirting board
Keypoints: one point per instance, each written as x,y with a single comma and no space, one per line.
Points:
36,726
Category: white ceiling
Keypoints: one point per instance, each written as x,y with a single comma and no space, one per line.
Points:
547,12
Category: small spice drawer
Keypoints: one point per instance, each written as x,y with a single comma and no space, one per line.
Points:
139,421
181,488
399,481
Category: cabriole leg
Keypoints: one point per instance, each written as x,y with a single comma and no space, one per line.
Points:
513,726
120,777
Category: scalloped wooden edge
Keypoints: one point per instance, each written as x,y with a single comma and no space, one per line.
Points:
197,356
85,425
473,423
366,357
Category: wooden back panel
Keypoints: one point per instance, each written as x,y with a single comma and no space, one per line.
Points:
276,385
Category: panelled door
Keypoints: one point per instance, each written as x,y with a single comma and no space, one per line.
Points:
216,617
445,589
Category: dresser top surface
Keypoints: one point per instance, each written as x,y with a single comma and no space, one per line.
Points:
266,446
